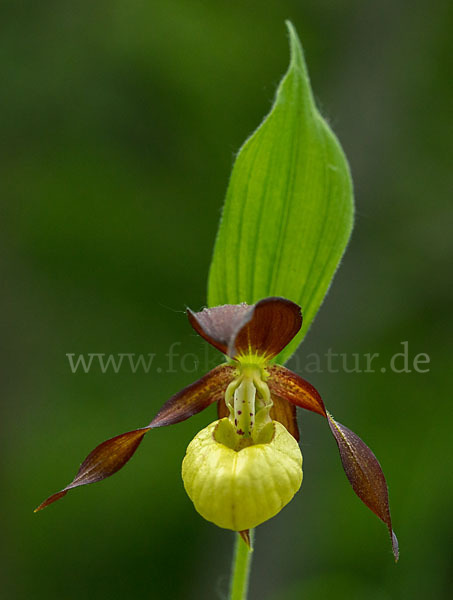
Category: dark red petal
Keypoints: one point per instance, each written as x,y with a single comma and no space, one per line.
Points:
365,474
110,456
267,329
285,413
287,385
105,460
219,324
196,397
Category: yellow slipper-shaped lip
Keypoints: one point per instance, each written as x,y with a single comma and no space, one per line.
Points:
240,488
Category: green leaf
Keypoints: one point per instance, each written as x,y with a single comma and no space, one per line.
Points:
288,212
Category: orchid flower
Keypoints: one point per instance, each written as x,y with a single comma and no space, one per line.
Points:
245,467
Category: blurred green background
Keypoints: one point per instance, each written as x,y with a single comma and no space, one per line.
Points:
119,124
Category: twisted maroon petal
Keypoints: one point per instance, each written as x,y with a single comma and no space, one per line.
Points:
105,460
359,463
365,475
110,456
196,397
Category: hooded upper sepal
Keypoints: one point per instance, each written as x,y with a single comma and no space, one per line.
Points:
365,474
262,329
271,326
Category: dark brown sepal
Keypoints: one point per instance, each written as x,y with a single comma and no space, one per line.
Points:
105,460
195,397
287,385
365,474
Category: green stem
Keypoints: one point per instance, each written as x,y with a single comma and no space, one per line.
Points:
240,571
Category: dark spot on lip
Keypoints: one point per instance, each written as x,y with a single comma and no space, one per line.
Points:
251,414
235,421
240,412
240,432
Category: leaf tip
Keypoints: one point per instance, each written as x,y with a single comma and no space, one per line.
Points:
290,27
297,54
